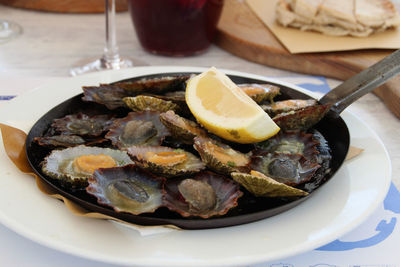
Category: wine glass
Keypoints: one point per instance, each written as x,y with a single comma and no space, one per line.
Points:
111,58
9,30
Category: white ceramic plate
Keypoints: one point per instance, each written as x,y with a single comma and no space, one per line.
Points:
336,208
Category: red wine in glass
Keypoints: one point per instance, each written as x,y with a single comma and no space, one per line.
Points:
175,27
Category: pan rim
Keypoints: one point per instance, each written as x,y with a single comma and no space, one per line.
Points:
185,223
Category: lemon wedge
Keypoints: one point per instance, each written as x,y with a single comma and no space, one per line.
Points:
226,110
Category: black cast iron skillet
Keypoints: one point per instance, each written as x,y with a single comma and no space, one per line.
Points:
250,209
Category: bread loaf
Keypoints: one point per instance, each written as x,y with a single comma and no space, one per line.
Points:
338,17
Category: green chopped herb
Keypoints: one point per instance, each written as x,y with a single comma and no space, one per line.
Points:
231,164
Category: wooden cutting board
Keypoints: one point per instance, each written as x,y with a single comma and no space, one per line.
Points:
241,33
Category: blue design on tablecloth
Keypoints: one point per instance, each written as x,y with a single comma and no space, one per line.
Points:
318,86
385,229
6,97
281,265
311,83
323,265
291,265
391,202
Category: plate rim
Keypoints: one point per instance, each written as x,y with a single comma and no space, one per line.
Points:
223,262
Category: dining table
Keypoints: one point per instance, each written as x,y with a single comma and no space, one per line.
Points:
52,43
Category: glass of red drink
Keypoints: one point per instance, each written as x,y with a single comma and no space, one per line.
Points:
175,27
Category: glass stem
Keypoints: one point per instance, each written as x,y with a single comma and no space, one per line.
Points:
111,56
110,60
9,30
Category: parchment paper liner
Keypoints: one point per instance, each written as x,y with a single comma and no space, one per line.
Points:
14,144
297,41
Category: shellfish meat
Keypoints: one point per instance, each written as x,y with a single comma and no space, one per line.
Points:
165,161
205,195
290,169
277,107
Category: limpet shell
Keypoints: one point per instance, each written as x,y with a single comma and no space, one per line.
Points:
105,94
199,195
154,85
324,158
288,105
60,140
126,189
144,102
137,128
264,186
226,191
290,169
82,124
301,119
178,97
60,163
297,142
181,128
260,92
220,157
